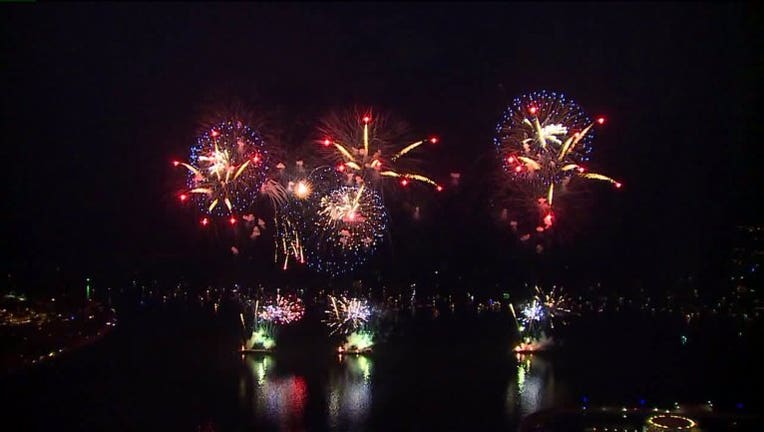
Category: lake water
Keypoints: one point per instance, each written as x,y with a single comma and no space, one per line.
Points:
175,367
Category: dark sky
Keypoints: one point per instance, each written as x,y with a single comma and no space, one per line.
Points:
98,98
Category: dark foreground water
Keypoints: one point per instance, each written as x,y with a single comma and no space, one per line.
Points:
175,368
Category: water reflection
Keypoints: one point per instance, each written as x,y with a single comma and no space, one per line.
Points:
278,399
533,386
350,393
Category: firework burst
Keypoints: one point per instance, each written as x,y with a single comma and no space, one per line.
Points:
544,141
227,168
556,304
345,315
368,149
537,317
282,310
345,227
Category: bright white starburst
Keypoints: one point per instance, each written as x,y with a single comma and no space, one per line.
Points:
550,132
347,315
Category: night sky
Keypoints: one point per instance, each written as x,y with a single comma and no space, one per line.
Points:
98,99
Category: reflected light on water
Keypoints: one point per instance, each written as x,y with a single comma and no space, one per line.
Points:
279,399
350,392
532,388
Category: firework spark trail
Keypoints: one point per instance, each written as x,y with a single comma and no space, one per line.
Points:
257,305
520,328
296,194
288,238
369,155
334,307
257,334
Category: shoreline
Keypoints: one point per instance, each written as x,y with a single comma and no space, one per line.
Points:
16,362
